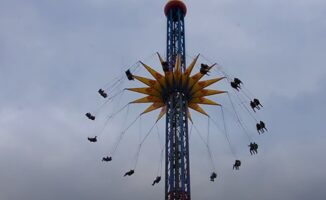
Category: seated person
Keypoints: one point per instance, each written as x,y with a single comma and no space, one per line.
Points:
129,173
90,116
94,139
213,176
129,75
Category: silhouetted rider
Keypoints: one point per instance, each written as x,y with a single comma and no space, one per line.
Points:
156,181
204,69
129,75
102,93
213,176
94,139
129,173
90,116
237,164
107,159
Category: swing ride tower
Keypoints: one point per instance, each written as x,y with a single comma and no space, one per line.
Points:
177,170
175,92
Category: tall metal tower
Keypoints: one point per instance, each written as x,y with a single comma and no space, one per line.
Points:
177,170
175,92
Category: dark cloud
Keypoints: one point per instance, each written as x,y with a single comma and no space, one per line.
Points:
55,55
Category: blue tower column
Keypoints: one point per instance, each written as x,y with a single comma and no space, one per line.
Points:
177,170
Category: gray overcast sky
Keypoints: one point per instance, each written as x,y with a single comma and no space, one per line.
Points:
54,55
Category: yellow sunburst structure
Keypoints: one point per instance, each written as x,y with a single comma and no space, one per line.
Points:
176,80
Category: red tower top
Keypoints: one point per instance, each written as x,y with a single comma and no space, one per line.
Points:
175,4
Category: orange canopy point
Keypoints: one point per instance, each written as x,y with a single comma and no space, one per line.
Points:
175,4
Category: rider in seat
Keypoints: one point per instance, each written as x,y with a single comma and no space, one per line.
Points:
213,176
253,148
102,93
257,102
262,126
204,69
129,173
90,116
107,159
253,105
129,75
237,81
236,84
237,164
157,180
94,139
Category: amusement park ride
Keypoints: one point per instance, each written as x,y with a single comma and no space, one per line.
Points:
175,91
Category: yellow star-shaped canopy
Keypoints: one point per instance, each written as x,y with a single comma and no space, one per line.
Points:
161,84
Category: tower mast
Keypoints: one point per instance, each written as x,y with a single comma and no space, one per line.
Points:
177,169
175,92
